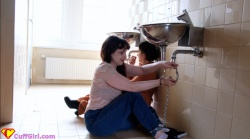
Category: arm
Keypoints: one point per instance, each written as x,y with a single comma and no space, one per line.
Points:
120,82
148,68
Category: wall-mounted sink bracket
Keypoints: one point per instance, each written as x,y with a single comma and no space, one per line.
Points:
193,35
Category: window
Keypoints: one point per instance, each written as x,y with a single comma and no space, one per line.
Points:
78,24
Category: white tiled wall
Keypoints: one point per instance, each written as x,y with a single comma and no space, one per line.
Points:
212,98
20,47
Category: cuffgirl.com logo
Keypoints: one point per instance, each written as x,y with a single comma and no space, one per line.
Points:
9,132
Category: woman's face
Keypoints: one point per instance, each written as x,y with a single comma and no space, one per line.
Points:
118,57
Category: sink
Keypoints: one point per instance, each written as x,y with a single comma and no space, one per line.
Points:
163,34
130,37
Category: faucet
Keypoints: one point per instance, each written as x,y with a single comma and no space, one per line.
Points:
185,17
194,51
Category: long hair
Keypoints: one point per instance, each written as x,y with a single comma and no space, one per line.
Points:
151,52
109,46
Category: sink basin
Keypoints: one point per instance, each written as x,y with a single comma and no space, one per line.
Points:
163,34
130,37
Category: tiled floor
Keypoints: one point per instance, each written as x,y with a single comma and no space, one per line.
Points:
43,111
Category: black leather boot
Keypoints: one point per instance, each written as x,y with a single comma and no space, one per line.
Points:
73,104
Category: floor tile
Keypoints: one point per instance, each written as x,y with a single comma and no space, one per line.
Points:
43,111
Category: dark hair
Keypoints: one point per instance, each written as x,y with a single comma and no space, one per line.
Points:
151,51
109,46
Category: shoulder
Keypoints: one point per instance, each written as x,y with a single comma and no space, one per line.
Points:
104,67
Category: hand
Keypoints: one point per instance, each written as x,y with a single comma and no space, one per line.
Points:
132,60
166,64
167,81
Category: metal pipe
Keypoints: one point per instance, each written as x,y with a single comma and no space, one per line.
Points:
163,52
195,52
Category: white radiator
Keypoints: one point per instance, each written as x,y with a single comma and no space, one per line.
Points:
70,69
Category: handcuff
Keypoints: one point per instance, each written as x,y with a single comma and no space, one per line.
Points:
176,72
177,75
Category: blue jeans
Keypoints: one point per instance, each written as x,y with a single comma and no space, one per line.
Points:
125,112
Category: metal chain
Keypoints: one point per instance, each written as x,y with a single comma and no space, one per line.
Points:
166,107
167,97
166,104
